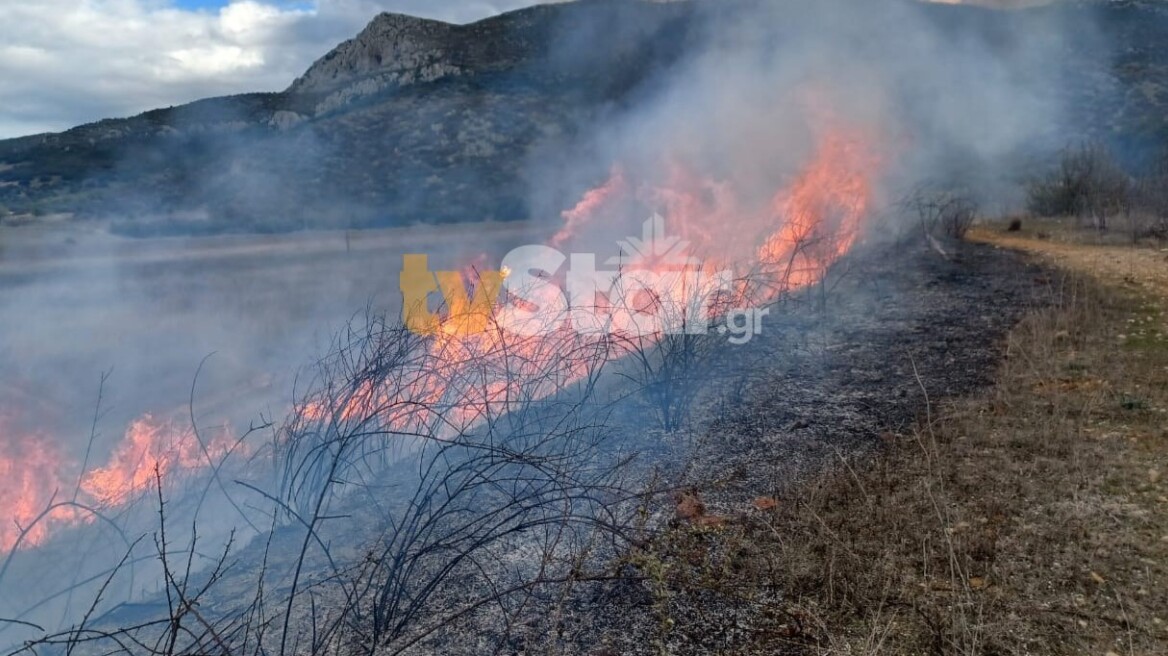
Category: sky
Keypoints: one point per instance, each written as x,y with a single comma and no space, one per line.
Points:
200,4
68,62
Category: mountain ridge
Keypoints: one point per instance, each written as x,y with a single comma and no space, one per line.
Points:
420,120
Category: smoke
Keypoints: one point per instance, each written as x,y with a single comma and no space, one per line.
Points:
951,96
724,101
210,332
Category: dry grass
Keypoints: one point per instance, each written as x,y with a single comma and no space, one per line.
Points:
1032,519
1104,257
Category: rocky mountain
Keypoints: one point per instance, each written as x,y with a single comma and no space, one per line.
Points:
412,120
416,120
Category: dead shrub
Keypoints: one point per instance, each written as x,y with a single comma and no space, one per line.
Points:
947,212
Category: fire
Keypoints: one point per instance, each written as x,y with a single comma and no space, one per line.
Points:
150,445
790,241
29,485
578,218
782,240
35,476
823,211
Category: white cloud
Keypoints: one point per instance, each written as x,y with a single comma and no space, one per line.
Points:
67,62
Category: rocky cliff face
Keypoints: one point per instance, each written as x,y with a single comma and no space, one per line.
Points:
394,50
392,43
418,120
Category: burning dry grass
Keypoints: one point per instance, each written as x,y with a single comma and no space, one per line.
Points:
1032,518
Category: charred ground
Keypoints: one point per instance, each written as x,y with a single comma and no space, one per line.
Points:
840,367
842,374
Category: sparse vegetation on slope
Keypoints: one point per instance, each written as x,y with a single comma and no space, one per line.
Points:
418,121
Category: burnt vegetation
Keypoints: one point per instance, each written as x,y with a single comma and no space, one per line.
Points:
463,507
426,498
943,212
430,496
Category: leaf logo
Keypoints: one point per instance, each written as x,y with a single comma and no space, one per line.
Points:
655,246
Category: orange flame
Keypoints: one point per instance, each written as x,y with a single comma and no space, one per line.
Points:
790,240
29,483
150,444
34,476
593,201
823,211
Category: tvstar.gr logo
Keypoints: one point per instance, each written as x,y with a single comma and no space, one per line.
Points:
654,287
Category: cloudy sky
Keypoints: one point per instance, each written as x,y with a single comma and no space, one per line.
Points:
67,62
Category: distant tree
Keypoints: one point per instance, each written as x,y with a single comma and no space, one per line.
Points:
1087,184
1150,201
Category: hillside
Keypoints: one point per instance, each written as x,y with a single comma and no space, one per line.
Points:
421,121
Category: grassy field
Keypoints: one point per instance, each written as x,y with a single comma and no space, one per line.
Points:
1030,519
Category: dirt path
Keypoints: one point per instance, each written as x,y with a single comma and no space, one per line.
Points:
1126,265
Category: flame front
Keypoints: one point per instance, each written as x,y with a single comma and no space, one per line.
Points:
36,477
29,485
785,241
822,211
151,445
781,242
